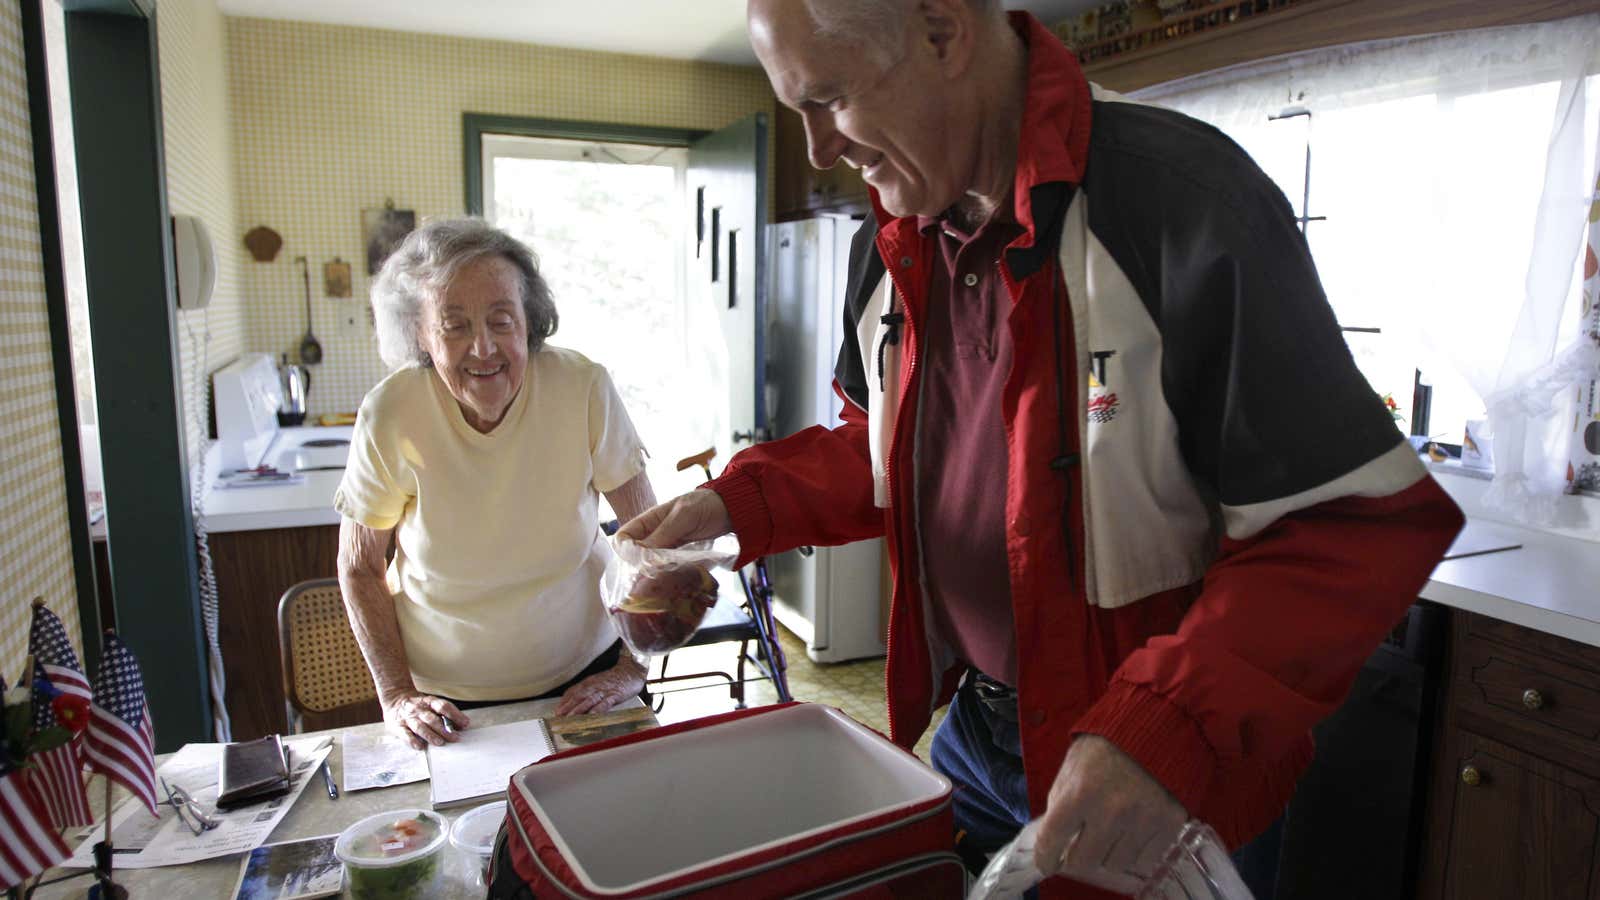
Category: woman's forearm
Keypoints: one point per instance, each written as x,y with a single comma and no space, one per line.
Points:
632,498
362,561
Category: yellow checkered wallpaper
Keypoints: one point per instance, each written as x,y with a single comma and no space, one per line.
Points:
35,549
331,120
196,123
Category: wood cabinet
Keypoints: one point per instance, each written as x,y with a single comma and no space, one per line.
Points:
1515,811
801,191
253,569
1274,29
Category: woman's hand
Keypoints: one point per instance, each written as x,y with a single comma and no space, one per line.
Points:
696,516
603,690
420,718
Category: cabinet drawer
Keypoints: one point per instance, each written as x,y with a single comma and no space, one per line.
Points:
1541,695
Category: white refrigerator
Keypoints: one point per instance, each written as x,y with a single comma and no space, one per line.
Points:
831,597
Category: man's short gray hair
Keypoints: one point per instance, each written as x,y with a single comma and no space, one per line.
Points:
876,26
421,269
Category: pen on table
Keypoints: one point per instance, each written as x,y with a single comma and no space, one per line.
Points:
327,778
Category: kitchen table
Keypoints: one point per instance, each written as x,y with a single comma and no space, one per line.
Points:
314,814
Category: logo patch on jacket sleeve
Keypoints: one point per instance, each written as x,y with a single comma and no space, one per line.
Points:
1103,408
1103,404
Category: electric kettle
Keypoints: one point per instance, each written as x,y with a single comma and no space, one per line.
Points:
296,382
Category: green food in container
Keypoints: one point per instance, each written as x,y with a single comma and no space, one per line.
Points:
393,855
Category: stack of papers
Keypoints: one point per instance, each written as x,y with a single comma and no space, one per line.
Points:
143,841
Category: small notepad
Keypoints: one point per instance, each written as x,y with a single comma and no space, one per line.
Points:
480,764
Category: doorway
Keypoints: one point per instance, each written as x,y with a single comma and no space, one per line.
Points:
604,219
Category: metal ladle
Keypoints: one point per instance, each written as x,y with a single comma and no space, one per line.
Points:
310,349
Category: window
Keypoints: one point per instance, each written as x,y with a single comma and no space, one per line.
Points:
1421,220
606,222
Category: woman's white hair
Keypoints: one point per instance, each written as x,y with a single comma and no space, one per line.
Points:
421,269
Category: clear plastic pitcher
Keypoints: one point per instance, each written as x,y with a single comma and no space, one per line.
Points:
1196,867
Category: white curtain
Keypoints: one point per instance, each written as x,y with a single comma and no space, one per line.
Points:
1455,172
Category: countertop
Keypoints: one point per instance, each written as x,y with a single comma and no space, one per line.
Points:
1551,584
305,503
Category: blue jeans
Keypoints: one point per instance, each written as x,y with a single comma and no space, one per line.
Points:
981,752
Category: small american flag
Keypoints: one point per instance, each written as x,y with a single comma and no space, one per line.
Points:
121,739
28,843
57,774
52,652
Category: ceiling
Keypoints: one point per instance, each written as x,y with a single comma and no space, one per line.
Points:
704,30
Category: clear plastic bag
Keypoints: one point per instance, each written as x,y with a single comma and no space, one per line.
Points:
657,598
1196,867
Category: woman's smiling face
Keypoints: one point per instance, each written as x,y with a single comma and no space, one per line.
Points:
476,333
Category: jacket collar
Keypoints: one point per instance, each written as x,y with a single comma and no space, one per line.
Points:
1052,148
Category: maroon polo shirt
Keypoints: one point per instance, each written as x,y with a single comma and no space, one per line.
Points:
961,444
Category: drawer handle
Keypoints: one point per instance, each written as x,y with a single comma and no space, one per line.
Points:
1471,777
1532,699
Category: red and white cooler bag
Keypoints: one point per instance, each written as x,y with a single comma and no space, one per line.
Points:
796,800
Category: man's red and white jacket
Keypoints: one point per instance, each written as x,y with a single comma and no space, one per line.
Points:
1211,520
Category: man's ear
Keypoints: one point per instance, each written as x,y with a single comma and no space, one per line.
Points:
948,28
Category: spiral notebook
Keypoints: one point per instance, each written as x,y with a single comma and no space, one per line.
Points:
479,765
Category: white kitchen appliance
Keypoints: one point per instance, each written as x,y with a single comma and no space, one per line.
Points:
248,393
830,597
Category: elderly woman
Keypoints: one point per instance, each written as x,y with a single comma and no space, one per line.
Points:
482,455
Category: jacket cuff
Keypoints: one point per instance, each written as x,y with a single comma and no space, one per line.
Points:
752,521
1160,737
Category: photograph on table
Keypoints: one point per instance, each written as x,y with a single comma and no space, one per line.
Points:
291,870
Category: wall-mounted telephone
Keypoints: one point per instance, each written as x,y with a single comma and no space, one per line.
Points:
195,262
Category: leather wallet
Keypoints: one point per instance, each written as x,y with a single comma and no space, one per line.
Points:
252,770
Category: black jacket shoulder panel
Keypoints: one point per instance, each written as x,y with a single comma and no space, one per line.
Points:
866,270
1254,366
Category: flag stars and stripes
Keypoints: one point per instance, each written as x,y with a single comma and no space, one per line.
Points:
121,742
47,641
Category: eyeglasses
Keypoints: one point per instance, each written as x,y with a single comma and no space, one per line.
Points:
190,813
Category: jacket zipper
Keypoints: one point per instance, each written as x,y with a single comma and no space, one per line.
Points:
907,346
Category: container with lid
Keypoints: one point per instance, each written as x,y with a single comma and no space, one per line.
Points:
473,834
396,854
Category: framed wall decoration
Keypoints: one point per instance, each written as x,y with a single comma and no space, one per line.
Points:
382,230
336,278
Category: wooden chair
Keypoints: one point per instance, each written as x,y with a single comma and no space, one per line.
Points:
326,682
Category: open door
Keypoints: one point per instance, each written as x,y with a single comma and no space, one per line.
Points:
727,200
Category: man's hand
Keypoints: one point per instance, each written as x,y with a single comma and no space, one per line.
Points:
603,690
699,515
1107,822
420,718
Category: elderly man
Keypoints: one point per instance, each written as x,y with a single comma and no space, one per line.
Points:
1146,518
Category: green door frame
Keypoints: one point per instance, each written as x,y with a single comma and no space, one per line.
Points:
475,125
55,291
113,69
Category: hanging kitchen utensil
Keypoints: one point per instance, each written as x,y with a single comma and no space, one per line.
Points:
310,350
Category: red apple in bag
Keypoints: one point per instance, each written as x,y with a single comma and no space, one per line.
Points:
665,605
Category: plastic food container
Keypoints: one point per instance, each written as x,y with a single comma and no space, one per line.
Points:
396,854
473,834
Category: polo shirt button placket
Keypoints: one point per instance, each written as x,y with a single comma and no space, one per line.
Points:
971,280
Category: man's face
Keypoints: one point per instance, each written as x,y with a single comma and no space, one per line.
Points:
887,121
